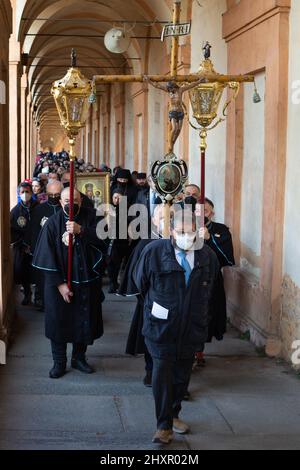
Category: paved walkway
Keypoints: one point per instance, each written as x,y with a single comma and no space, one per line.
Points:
240,400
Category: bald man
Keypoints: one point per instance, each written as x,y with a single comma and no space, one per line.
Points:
86,202
72,315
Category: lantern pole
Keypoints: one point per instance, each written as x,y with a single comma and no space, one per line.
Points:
72,142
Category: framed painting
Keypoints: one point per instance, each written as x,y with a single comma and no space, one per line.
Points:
96,186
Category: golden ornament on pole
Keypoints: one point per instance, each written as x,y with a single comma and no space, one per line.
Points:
72,98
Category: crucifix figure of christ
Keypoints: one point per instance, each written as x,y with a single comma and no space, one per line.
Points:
176,110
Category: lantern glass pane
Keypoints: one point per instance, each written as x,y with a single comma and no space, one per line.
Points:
206,100
75,106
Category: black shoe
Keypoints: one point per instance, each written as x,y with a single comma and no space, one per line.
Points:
187,396
82,365
57,371
113,288
26,300
147,381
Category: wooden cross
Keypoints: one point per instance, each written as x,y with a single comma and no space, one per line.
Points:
173,75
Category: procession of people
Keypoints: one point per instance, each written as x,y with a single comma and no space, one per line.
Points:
177,281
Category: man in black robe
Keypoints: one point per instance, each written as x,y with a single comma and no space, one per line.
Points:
40,215
72,316
20,220
218,237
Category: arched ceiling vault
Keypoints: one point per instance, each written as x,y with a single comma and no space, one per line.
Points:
49,29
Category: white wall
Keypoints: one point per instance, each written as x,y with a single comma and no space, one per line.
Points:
156,121
253,174
292,195
207,26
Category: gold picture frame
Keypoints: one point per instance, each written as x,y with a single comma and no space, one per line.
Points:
96,186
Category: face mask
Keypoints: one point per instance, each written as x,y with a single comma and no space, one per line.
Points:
185,241
67,209
25,197
54,201
45,170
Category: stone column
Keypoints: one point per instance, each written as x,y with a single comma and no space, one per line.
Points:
14,117
23,125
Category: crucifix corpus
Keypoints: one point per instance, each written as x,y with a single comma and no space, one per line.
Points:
205,84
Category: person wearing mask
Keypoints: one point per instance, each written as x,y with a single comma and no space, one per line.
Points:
135,342
119,248
40,215
176,279
149,198
124,181
141,181
218,237
86,202
20,220
71,315
134,175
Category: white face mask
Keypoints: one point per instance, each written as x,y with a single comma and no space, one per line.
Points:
25,197
45,169
185,241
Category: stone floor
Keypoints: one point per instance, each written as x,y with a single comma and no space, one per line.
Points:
240,400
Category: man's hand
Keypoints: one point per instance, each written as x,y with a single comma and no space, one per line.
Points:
206,234
73,228
65,292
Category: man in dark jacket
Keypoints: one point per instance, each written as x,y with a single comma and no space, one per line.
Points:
135,342
176,283
20,220
40,215
72,316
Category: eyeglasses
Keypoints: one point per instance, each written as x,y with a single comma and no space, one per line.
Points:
54,195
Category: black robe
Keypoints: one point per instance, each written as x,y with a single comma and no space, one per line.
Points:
39,217
81,320
135,342
20,221
221,243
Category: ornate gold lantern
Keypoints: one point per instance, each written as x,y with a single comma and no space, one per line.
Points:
205,100
71,95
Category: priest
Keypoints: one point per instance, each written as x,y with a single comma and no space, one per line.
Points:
72,315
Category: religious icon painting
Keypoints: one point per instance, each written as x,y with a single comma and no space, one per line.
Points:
95,186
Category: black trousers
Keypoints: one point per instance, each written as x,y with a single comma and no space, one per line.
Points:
148,361
59,351
170,380
120,251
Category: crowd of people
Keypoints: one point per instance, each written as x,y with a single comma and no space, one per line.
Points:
181,301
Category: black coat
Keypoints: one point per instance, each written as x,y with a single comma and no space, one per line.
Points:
221,243
160,278
40,215
20,221
135,342
81,320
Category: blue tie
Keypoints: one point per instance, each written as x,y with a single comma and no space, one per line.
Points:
185,265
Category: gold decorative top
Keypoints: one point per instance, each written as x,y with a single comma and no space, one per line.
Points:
71,95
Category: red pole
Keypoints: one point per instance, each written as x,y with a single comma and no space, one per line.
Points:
203,135
71,215
202,186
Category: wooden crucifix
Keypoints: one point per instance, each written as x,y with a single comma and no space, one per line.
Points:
174,89
175,92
